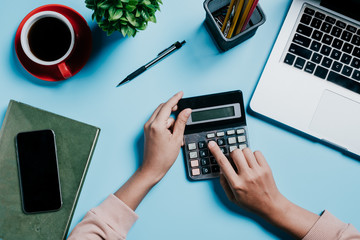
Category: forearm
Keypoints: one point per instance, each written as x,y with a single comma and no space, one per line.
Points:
136,188
292,218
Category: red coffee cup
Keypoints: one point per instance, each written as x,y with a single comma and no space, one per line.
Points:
53,42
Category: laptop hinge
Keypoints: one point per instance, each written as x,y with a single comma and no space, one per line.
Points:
350,8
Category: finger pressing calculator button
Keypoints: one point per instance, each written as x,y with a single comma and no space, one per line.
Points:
191,146
193,154
215,168
195,171
232,140
202,145
242,146
204,161
221,141
205,170
232,148
241,139
230,132
204,153
240,131
210,135
220,134
223,149
194,163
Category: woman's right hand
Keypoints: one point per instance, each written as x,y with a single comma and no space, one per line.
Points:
253,187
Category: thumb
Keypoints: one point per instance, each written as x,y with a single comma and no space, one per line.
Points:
179,126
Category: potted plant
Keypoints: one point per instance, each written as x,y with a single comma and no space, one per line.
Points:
125,16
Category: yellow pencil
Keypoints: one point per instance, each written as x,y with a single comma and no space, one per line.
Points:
228,13
244,16
235,19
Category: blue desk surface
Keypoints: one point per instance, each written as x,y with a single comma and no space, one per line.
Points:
308,173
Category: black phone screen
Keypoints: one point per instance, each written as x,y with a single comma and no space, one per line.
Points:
38,171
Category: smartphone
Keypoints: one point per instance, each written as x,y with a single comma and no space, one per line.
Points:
38,171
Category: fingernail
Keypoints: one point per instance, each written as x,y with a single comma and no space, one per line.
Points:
211,144
187,112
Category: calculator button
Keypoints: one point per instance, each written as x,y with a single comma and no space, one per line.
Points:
240,131
220,134
191,146
204,153
221,141
232,148
230,132
205,170
193,154
223,149
215,168
213,160
241,139
202,145
242,146
232,140
194,163
195,171
210,135
204,161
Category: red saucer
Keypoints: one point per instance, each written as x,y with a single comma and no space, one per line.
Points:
79,55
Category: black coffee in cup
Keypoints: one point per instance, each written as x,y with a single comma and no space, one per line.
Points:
49,38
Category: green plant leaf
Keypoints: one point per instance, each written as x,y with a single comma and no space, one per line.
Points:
124,19
130,8
125,1
152,19
104,5
137,14
146,2
143,27
115,14
131,18
131,31
145,15
124,31
119,4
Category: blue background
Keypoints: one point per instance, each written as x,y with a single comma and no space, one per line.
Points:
308,173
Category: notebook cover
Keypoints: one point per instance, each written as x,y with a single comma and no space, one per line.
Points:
75,144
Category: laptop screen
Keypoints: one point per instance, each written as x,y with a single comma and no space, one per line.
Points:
350,8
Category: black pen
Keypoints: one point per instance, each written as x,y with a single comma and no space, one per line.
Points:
159,57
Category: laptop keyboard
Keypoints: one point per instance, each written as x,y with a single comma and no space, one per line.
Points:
326,46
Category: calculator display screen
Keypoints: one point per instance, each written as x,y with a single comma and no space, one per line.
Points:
213,114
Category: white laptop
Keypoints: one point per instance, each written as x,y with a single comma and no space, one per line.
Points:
311,81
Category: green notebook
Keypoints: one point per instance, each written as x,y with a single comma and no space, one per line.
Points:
75,144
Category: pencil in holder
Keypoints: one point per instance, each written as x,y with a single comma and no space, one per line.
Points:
215,7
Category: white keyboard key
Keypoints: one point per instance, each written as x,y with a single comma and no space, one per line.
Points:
230,132
241,139
242,146
240,131
232,140
220,134
232,148
210,135
194,163
193,154
195,171
191,146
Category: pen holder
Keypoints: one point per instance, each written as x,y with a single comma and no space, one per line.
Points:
223,43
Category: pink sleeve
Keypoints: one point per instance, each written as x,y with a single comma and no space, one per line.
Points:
330,228
112,219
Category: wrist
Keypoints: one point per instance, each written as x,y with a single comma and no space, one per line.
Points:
277,211
149,176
